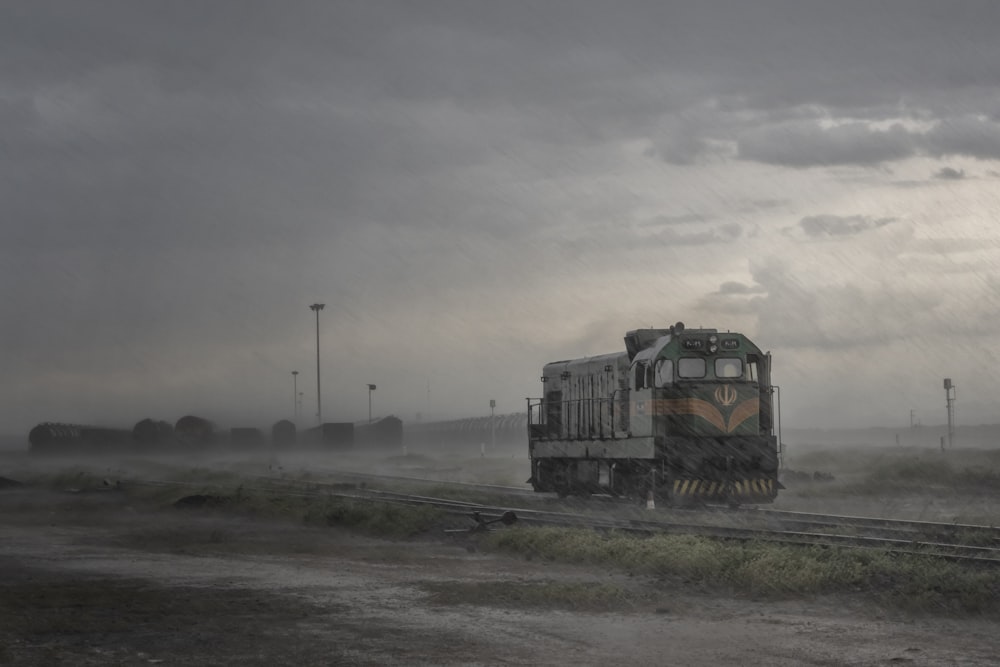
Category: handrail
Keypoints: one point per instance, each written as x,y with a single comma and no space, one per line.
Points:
776,410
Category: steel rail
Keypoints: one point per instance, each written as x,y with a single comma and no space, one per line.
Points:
903,529
651,526
788,518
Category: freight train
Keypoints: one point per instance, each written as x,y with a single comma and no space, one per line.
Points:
681,415
193,434
469,435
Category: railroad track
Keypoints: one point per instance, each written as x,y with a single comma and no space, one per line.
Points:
774,526
766,519
899,528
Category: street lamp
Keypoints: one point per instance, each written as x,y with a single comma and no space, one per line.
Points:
295,394
493,431
371,388
949,394
319,401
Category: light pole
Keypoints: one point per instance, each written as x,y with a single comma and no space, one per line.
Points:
319,401
371,388
295,395
949,394
493,431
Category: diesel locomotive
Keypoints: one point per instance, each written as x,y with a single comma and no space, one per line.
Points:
686,415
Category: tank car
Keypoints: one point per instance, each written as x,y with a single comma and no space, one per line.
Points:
50,437
194,432
683,414
150,434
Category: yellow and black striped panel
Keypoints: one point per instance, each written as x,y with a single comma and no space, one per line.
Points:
706,488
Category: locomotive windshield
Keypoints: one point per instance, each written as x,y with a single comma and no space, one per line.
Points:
728,368
691,367
688,368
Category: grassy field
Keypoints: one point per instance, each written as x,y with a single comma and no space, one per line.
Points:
883,478
768,571
957,486
869,471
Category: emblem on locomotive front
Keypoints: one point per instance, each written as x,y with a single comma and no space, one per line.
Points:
725,395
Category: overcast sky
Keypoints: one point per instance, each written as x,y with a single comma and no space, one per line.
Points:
476,188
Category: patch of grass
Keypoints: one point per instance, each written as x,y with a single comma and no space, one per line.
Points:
912,471
74,478
904,472
919,474
972,537
979,479
225,492
376,518
767,570
370,517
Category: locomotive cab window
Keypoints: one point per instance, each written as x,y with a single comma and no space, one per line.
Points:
691,367
642,375
728,368
663,374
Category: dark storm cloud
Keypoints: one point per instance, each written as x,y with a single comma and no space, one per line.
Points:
965,135
814,142
180,72
809,144
731,300
949,174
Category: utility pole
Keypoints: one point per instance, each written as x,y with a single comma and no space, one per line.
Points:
949,394
319,401
371,388
295,395
493,431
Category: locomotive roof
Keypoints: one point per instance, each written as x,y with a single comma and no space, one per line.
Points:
611,357
651,351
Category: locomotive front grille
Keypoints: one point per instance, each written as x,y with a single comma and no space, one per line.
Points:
707,489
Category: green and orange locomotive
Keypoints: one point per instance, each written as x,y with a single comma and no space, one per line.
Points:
681,415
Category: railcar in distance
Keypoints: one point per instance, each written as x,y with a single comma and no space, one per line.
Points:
683,414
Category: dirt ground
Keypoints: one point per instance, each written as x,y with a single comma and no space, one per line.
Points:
89,579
